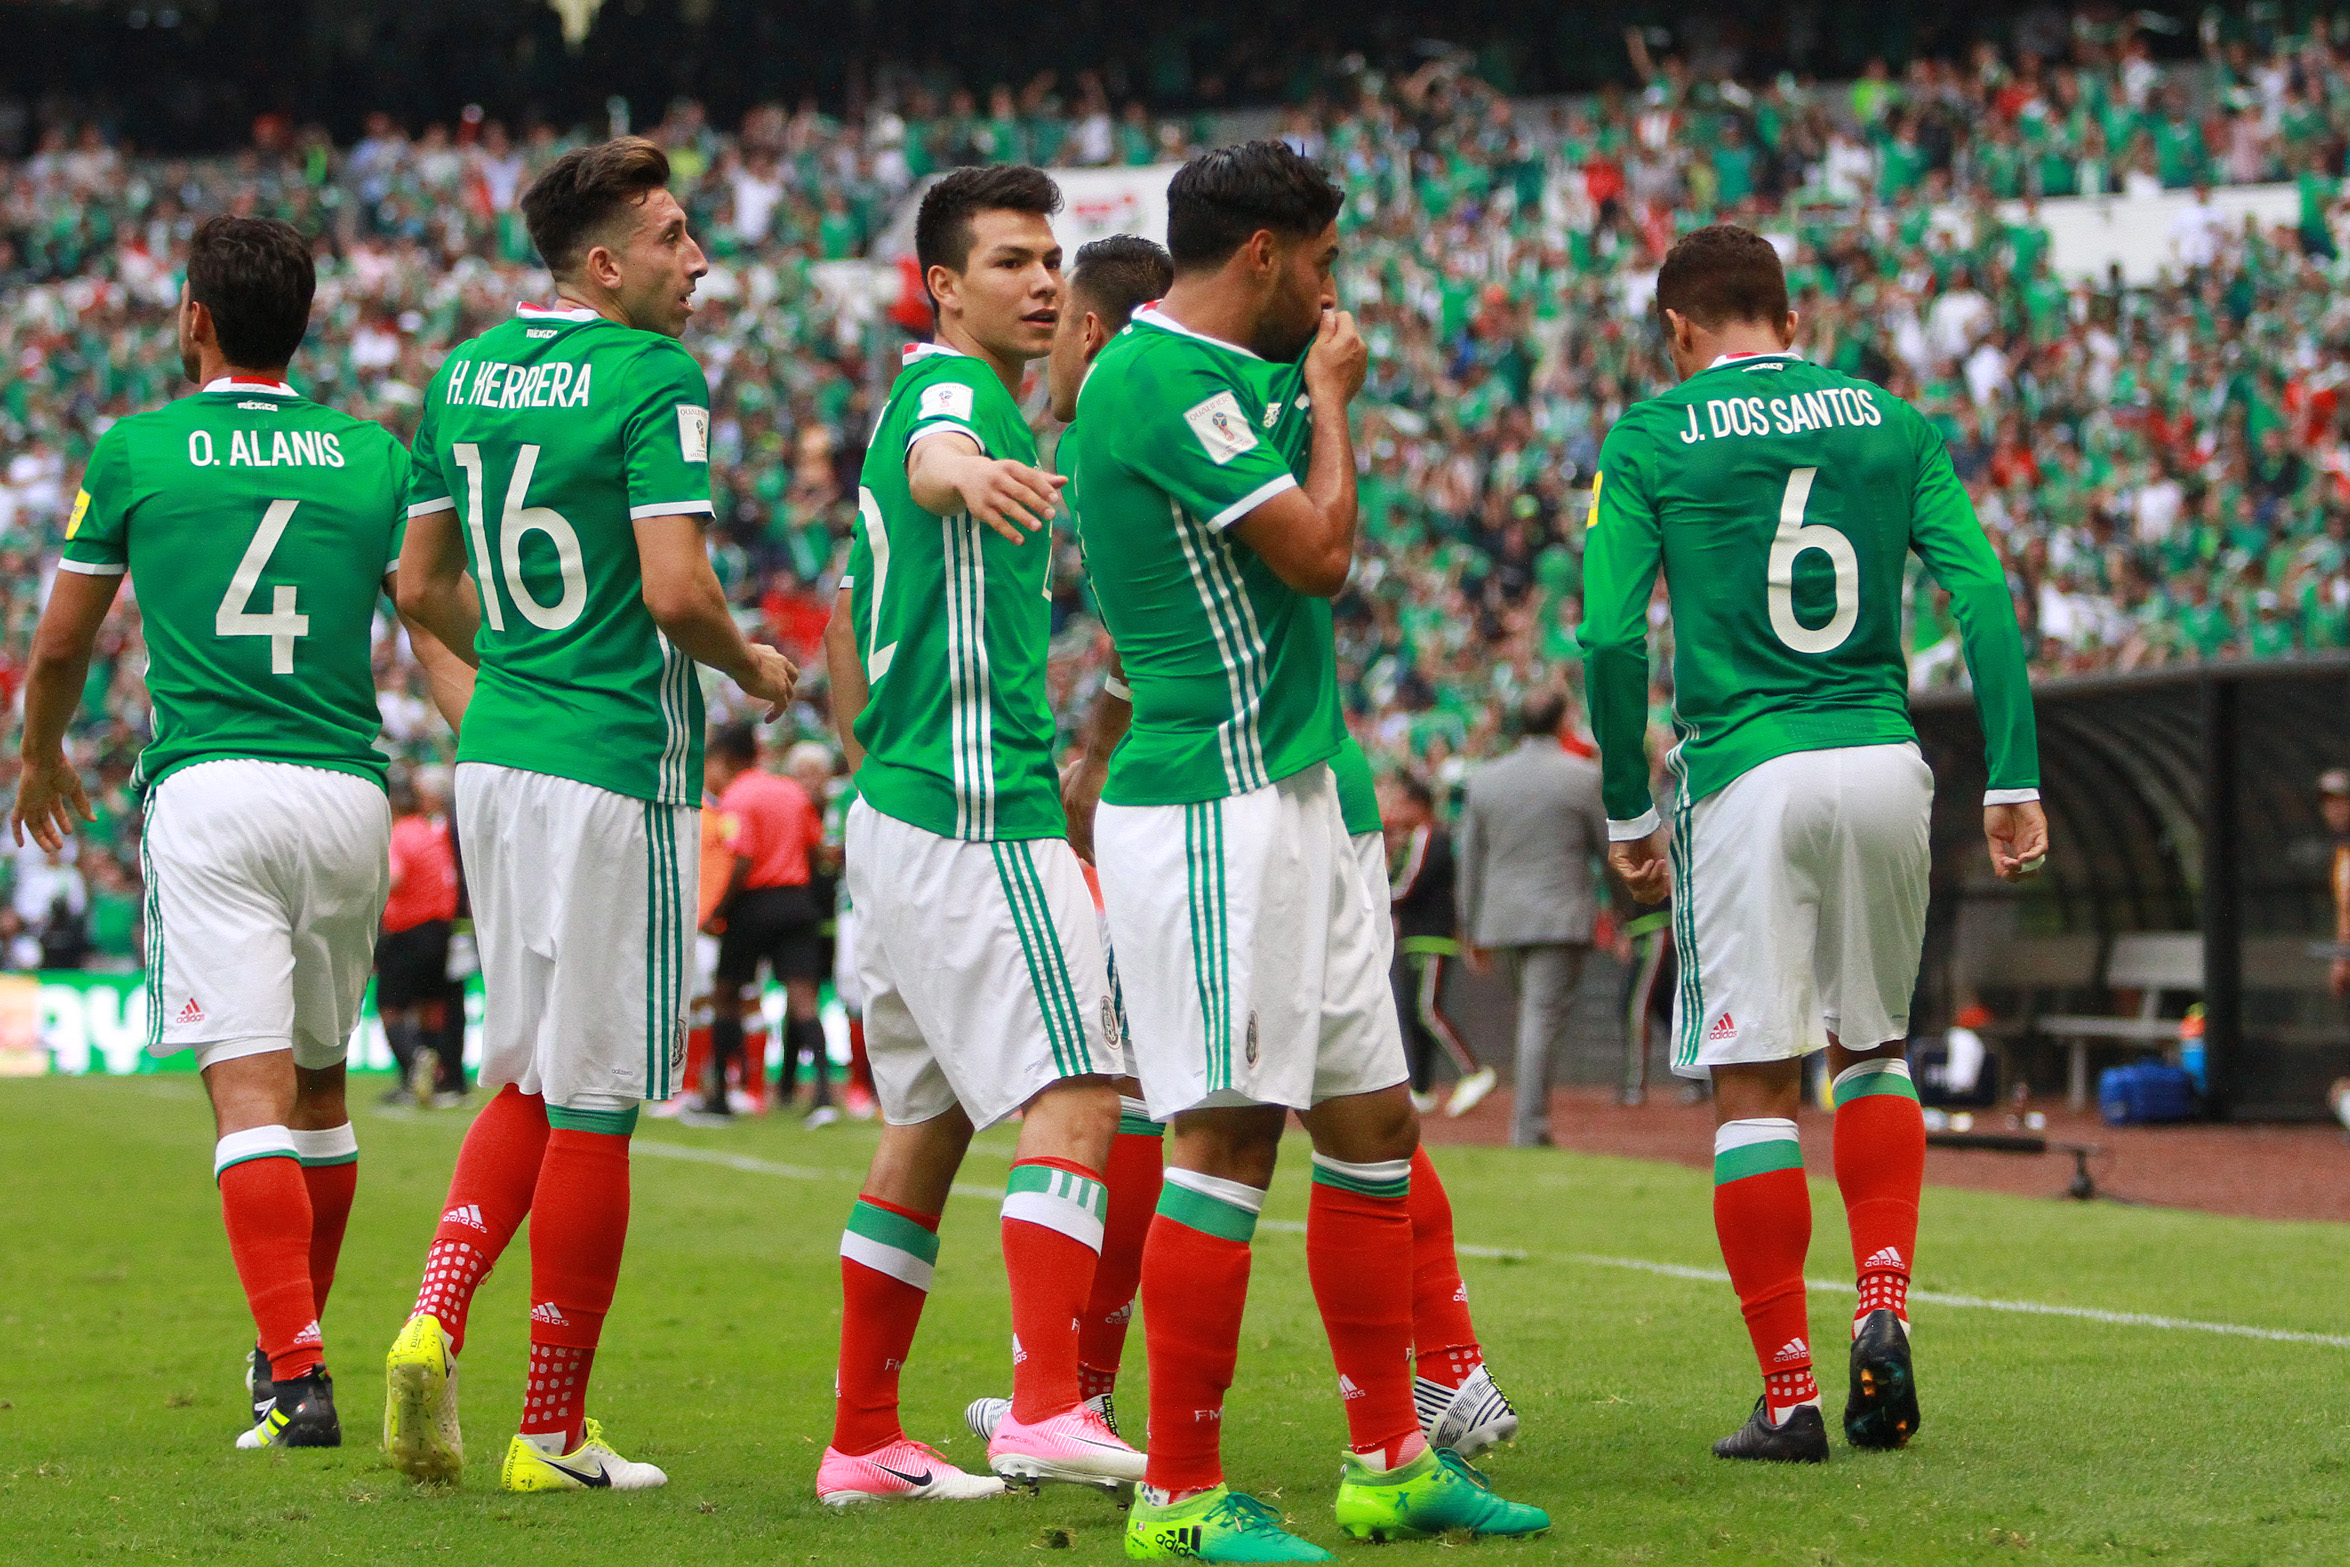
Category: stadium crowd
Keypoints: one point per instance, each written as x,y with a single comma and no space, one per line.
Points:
2164,470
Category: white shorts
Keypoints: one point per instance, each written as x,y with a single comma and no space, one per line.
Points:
1248,949
265,884
981,969
583,904
844,960
1371,859
1799,904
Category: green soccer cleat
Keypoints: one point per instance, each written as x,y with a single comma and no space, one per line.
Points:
421,1434
1436,1493
1222,1525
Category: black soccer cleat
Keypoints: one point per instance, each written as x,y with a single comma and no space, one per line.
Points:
257,1385
1882,1409
1802,1438
301,1414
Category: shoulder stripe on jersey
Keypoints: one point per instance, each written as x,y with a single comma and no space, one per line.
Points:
1251,501
667,509
427,508
1232,621
92,568
970,689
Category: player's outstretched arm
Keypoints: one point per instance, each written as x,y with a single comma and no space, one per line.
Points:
433,592
683,596
1622,551
946,472
1105,726
845,677
449,676
1307,533
49,795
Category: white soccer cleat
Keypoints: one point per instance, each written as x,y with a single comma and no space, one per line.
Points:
1468,1419
592,1466
421,1434
983,1415
904,1471
1470,1091
1077,1446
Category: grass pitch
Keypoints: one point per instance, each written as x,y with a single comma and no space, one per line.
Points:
2045,1438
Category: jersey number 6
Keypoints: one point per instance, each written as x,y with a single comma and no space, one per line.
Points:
1792,539
517,521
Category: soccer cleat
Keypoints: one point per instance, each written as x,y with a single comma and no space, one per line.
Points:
1222,1525
1469,1418
1077,1446
1436,1493
301,1413
1470,1091
257,1384
983,1415
904,1471
821,1116
1882,1408
591,1466
1802,1438
420,1404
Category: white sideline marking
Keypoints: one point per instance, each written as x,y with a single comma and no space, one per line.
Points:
1670,1270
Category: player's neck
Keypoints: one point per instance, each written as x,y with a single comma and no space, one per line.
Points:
1205,305
951,334
576,296
212,365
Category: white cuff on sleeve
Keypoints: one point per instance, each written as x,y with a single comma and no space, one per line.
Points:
93,568
1251,501
427,508
668,509
1113,686
2010,796
1636,829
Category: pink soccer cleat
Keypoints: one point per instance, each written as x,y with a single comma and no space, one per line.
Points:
1077,1446
904,1471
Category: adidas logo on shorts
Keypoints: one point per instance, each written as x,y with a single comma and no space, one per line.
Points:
546,1311
191,1013
1886,1257
1724,1028
1794,1349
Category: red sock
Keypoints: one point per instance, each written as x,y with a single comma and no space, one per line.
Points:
1880,1167
266,1210
1134,1175
489,1196
1054,1211
1358,1255
886,1257
860,1065
554,1401
331,1188
1444,1340
578,1227
1762,1212
1194,1288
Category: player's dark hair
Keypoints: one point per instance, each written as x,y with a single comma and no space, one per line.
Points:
1218,199
579,194
942,224
256,277
1543,713
1117,275
737,742
1723,273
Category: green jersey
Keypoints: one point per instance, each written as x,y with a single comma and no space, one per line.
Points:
953,624
1782,500
1178,437
258,527
550,435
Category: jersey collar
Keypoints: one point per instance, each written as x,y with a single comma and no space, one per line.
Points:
1153,315
916,351
548,313
1739,359
249,383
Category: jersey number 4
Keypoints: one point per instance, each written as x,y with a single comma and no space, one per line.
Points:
1792,539
514,524
281,624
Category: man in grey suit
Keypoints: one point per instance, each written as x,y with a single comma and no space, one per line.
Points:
1532,833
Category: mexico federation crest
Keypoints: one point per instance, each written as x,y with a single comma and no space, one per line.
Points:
1112,1033
1252,1039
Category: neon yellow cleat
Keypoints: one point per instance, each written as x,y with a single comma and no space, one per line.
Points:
1222,1525
420,1404
592,1466
1436,1493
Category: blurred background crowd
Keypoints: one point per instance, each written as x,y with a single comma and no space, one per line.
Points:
2164,468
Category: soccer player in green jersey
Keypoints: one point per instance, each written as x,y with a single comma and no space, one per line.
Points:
1458,1404
260,529
977,949
1781,501
1250,950
564,456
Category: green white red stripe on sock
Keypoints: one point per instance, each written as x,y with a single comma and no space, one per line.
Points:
890,1243
255,1142
1059,1199
1755,1147
1390,1178
326,1145
1875,1076
1212,1204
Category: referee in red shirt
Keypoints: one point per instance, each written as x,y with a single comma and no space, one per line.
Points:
412,952
769,913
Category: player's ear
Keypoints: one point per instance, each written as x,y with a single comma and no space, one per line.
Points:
942,281
1787,329
1094,334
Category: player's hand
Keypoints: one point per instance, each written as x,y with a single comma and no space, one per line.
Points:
2018,839
1010,497
1641,862
48,798
771,679
1081,791
1339,359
